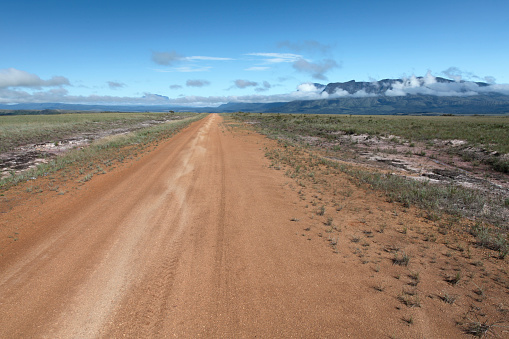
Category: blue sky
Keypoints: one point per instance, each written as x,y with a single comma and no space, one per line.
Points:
212,52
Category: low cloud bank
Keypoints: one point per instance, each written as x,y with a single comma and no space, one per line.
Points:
18,86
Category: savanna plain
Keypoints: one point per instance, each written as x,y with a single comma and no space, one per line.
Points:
254,225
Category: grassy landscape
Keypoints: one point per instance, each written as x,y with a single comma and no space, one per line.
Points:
487,132
436,249
26,129
440,201
101,153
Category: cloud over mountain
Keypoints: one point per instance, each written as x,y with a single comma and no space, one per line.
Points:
413,85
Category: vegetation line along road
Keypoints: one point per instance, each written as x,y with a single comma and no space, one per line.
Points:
109,138
483,140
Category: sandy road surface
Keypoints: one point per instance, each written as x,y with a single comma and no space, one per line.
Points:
193,240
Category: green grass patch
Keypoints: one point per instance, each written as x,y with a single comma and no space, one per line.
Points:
104,152
490,131
29,129
486,132
436,200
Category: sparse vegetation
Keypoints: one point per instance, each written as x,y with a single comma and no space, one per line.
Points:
454,279
402,260
448,298
103,152
445,226
481,328
26,129
409,320
436,199
410,298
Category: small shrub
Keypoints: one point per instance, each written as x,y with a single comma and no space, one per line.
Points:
448,298
455,279
402,260
410,299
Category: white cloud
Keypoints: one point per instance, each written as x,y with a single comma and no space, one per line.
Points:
197,83
239,83
61,95
115,85
307,87
458,75
277,57
191,58
428,85
11,77
166,58
317,70
453,73
171,58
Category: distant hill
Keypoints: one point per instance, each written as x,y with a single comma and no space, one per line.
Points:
56,108
410,104
416,95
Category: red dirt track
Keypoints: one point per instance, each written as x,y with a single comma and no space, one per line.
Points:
193,240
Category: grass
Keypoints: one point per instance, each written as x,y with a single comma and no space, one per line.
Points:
410,298
486,238
401,260
28,129
409,320
104,152
481,328
415,276
295,134
476,130
454,279
448,298
434,198
299,152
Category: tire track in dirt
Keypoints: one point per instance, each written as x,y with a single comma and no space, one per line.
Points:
129,221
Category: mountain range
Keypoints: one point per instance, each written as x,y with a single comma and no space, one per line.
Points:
416,95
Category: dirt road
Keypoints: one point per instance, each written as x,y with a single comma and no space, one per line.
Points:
194,240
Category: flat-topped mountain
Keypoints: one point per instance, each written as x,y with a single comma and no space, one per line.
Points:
382,86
